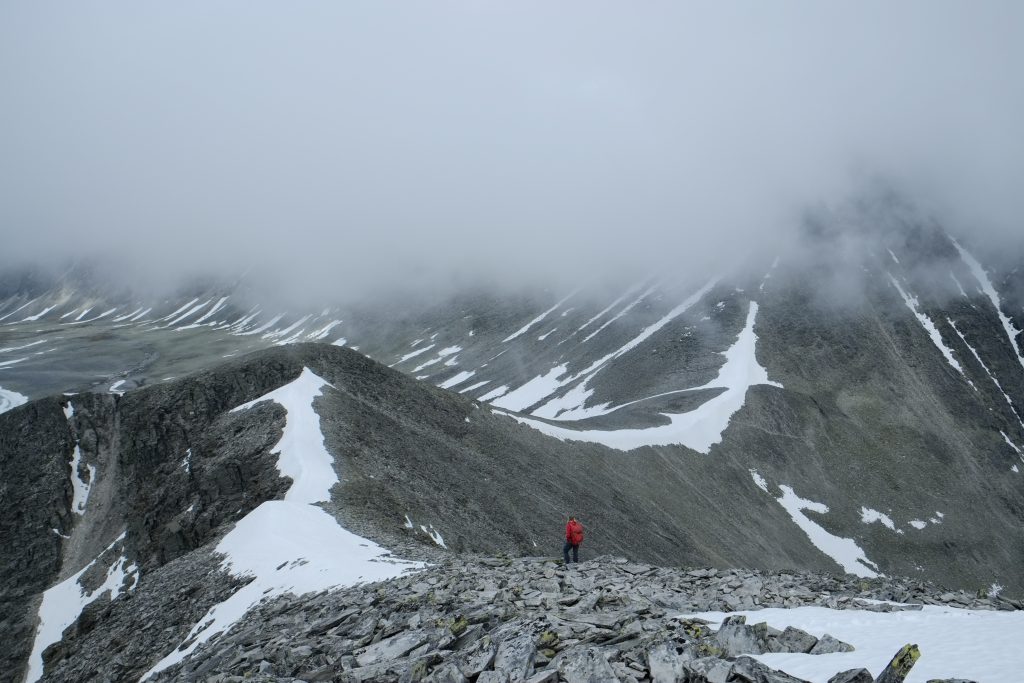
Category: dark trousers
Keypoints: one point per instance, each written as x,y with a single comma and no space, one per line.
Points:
575,552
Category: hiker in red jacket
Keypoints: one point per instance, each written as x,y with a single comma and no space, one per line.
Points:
573,538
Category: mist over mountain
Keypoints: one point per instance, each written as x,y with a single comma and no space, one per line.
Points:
351,148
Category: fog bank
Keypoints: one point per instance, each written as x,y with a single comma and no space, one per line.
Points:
349,146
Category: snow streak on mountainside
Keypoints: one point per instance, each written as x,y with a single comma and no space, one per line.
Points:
698,429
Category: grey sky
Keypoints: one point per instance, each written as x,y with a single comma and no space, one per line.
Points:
356,142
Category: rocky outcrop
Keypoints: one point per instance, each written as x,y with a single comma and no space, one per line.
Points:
533,619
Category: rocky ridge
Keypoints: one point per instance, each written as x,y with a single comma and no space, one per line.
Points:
490,620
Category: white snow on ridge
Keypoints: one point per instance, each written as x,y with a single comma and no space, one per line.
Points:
914,305
434,534
629,292
955,643
287,547
190,312
122,318
441,355
11,399
759,481
291,545
917,524
25,346
995,381
1012,445
570,406
986,286
80,487
63,603
869,516
8,363
206,316
302,454
79,321
264,327
844,551
457,379
317,335
25,305
471,387
277,334
413,354
533,391
698,429
540,317
647,292
37,316
494,393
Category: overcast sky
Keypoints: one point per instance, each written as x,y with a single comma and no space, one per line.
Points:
350,143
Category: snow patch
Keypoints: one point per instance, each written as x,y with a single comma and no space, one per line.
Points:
917,524
302,455
11,399
64,602
288,547
759,480
626,309
533,391
986,286
977,357
434,534
494,393
472,387
844,551
291,545
81,488
413,354
698,429
949,638
539,318
869,516
914,305
457,379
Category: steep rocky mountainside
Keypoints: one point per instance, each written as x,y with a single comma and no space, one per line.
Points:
132,499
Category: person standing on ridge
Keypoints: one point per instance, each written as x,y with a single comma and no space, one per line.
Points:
573,538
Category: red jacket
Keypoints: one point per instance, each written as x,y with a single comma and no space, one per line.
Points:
574,532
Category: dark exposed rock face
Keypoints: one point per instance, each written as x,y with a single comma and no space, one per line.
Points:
35,500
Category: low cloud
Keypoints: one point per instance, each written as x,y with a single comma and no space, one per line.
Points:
355,146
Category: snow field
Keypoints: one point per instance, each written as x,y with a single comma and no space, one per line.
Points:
63,603
11,399
978,645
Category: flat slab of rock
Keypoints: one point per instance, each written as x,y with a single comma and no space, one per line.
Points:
391,648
